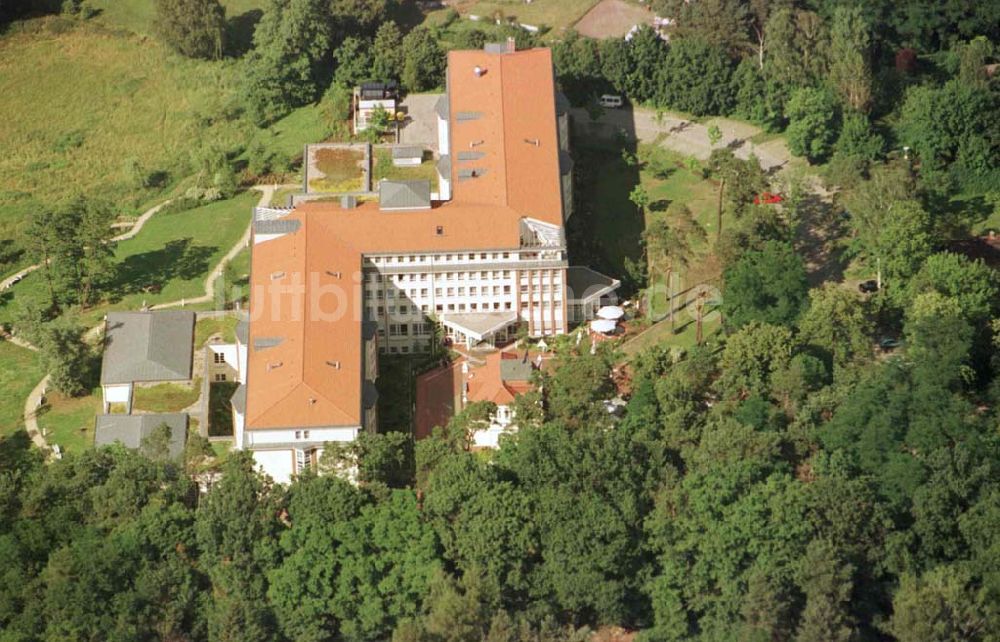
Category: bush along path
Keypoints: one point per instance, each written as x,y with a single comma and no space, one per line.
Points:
35,400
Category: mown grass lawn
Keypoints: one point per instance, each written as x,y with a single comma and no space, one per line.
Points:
166,397
20,372
69,421
167,261
384,168
224,326
684,337
556,14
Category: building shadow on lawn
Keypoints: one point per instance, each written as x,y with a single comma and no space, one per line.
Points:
150,271
605,231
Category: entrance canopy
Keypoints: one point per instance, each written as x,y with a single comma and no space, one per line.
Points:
612,312
479,325
604,326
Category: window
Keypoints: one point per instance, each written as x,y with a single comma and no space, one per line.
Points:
524,305
413,277
390,294
506,255
482,275
461,291
482,256
423,291
451,307
472,257
404,349
506,274
506,305
219,357
439,308
451,291
461,307
447,257
437,291
496,305
305,434
298,434
393,350
473,306
220,377
473,290
461,276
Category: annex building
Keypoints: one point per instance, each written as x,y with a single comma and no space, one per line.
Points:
473,259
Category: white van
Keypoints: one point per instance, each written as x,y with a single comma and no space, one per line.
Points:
610,102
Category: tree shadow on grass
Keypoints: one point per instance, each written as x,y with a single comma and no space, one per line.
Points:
661,205
151,271
16,452
239,32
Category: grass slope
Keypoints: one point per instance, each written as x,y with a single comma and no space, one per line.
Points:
173,252
20,371
69,421
78,103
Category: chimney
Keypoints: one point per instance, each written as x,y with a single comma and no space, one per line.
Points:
511,44
479,71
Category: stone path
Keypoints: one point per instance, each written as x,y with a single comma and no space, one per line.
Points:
33,402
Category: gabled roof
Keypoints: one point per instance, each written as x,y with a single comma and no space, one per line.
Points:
582,283
487,382
507,116
147,346
304,353
130,430
404,195
513,97
407,151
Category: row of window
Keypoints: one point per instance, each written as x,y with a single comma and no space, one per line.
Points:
473,290
423,258
378,277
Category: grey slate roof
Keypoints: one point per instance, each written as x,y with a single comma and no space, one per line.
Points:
239,399
243,330
584,283
565,163
480,323
404,195
278,226
444,166
516,369
442,108
131,429
408,151
369,394
562,103
147,346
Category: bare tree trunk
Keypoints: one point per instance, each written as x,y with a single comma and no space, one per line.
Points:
699,307
760,47
718,217
670,298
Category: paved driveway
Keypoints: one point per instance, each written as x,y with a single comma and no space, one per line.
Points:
421,127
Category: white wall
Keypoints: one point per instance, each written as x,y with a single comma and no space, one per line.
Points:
228,352
118,393
255,438
443,147
279,464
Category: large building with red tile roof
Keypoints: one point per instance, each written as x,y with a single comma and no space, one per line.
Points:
481,255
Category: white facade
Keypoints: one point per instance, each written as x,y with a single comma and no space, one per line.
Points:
117,393
404,294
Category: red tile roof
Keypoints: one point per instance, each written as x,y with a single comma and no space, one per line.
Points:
294,383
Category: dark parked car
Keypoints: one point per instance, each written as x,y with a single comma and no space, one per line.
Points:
888,343
868,286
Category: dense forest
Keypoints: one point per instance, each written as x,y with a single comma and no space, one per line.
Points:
792,480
